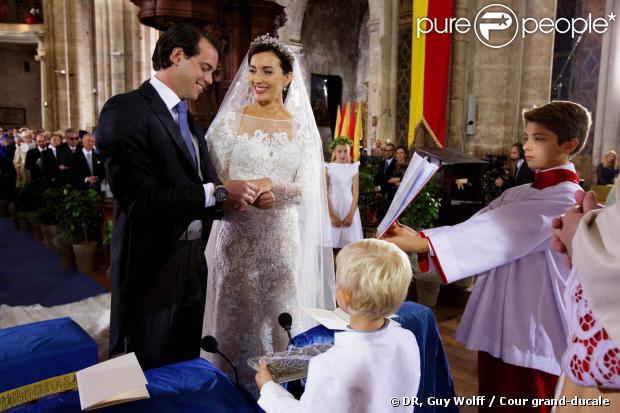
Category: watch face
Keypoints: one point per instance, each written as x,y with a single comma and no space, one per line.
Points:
220,193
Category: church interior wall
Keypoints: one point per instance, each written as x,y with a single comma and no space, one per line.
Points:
21,80
504,81
355,39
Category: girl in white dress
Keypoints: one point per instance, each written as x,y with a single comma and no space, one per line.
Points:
343,194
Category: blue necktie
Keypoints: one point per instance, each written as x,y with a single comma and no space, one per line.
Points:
187,136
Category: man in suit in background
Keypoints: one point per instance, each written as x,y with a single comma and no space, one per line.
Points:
166,195
65,153
522,173
385,171
34,162
87,167
51,171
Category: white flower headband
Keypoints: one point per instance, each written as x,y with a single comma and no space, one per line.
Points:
267,40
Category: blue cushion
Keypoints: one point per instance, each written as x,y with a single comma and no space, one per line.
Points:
37,351
189,386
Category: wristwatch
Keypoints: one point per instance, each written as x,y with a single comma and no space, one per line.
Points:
220,192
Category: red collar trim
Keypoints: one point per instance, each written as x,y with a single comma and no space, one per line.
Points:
553,177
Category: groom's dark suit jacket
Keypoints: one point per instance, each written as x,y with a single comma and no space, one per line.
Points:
157,193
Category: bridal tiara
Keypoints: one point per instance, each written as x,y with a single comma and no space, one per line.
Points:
267,40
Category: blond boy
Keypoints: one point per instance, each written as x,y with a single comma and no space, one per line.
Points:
374,360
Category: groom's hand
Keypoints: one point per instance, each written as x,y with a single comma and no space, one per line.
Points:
240,193
265,200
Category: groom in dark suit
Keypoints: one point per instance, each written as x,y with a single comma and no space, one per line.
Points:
166,196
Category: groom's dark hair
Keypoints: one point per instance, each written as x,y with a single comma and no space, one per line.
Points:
183,35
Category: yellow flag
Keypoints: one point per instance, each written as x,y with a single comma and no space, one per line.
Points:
344,131
359,132
337,127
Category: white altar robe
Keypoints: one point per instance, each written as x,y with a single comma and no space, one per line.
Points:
361,373
596,258
516,312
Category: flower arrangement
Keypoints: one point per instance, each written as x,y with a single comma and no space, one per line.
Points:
343,140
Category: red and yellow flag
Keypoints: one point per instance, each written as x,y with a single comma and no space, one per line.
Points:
344,127
337,127
349,124
358,134
430,64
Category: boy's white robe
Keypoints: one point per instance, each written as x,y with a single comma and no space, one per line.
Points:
361,373
516,312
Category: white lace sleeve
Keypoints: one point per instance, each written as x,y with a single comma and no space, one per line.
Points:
292,193
220,138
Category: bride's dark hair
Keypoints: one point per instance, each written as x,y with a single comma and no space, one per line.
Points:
285,62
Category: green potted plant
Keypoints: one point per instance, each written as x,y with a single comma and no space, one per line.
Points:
423,213
82,217
27,200
50,211
62,242
366,186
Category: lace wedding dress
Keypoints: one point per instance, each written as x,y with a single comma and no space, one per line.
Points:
254,256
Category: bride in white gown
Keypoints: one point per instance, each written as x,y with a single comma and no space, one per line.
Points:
275,256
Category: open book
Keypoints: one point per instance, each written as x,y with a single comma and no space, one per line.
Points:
334,319
114,381
416,177
291,364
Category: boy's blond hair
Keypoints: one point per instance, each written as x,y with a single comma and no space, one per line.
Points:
375,275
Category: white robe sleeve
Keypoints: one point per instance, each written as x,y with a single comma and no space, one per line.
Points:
493,237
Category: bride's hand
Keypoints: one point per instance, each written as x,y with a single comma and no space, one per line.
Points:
265,200
263,185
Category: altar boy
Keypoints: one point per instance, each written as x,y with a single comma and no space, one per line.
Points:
515,316
374,361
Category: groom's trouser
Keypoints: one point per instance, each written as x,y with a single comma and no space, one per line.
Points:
168,325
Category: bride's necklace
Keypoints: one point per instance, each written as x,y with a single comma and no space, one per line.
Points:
270,147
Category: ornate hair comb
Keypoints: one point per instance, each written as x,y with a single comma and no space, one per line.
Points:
266,39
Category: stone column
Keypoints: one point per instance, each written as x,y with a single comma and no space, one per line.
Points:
382,69
116,33
83,63
102,45
41,57
504,80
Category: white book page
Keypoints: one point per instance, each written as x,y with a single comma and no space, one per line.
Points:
129,396
336,319
418,173
328,318
110,381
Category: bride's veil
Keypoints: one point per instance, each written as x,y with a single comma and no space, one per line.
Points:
315,276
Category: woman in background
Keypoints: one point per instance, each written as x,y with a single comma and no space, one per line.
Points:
607,170
402,162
